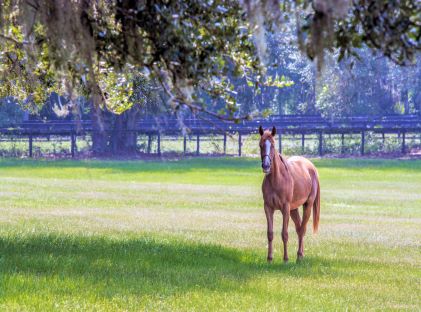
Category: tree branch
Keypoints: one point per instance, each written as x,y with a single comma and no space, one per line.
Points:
196,106
13,40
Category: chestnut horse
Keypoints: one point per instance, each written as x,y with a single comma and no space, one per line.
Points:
288,184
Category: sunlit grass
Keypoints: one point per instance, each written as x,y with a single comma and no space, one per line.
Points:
191,235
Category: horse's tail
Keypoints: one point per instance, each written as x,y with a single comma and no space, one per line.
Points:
316,208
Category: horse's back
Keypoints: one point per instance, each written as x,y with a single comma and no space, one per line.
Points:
305,177
301,163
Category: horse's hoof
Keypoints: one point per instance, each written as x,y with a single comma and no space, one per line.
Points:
286,260
300,258
270,260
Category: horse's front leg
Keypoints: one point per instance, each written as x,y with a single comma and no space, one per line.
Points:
269,218
295,216
285,217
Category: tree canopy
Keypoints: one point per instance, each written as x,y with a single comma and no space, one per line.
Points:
98,48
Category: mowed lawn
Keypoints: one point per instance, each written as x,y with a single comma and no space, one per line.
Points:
190,235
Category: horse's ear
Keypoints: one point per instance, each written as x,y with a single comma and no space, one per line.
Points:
273,131
261,130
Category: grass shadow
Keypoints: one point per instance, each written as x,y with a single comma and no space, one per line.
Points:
145,266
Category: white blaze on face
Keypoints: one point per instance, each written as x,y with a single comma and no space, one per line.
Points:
267,147
266,158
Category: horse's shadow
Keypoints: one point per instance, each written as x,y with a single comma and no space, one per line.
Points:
143,265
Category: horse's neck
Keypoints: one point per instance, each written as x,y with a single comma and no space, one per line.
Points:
280,169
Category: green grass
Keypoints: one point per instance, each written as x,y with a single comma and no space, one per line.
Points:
191,235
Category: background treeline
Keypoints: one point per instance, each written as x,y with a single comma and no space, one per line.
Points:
364,85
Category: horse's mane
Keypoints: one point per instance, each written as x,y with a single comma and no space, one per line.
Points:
283,161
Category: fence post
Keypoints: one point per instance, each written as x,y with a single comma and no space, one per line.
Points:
225,143
184,144
280,143
302,143
320,143
159,144
342,143
239,144
30,145
72,144
362,142
136,133
198,144
403,142
149,143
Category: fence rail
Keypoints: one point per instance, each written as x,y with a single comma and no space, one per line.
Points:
307,128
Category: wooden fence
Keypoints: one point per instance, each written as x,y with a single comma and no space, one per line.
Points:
305,127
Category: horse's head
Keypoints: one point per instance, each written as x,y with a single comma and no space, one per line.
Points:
267,148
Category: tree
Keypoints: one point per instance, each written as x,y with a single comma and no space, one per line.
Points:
195,47
104,43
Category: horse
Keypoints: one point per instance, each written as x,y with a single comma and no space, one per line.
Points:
288,184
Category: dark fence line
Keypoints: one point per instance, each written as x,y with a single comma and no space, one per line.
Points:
303,126
288,124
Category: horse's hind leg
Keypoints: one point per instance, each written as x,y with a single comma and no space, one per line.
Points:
306,216
295,216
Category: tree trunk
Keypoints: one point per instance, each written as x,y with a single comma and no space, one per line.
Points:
417,102
114,133
99,130
123,138
405,100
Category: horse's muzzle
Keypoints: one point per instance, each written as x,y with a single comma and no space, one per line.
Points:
266,162
266,168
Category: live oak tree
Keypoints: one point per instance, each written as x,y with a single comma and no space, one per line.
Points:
97,48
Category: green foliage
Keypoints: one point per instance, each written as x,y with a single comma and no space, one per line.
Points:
95,48
278,82
391,27
370,87
184,45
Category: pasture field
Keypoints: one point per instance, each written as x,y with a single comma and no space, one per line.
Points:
190,235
